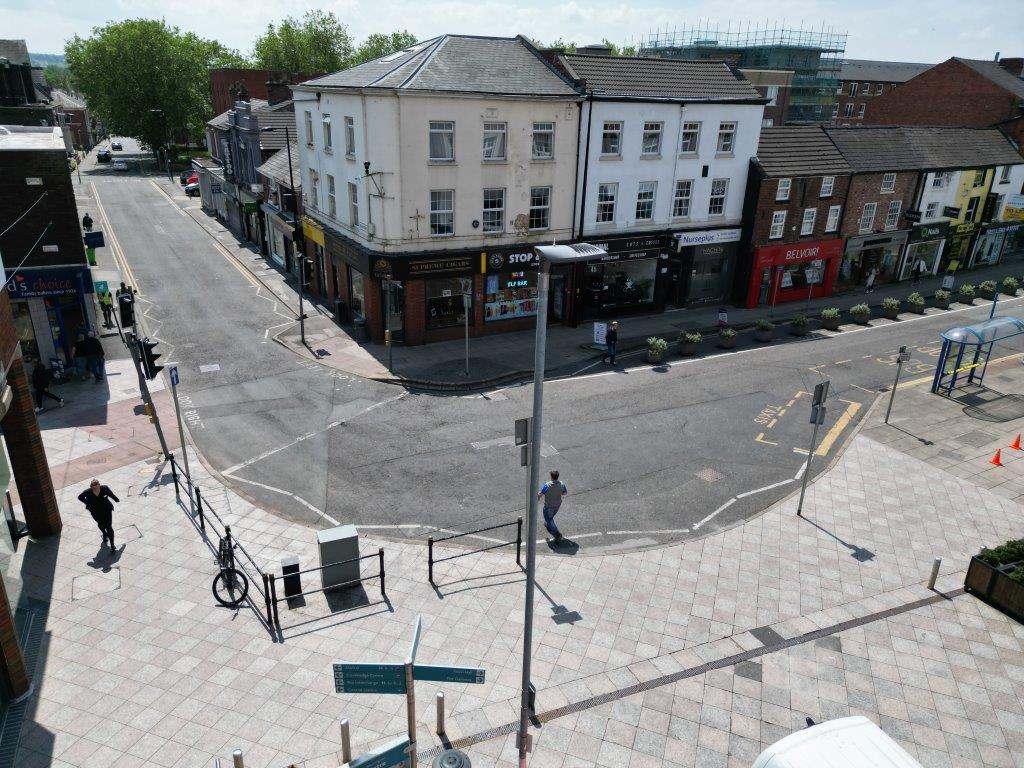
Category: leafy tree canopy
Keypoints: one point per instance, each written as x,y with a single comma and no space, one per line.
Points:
379,44
145,79
57,76
317,42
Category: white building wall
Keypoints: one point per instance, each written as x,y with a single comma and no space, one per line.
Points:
630,167
943,196
1013,186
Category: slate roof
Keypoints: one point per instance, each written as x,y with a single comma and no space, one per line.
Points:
640,76
276,167
268,115
799,150
868,150
15,51
880,71
459,64
996,74
941,147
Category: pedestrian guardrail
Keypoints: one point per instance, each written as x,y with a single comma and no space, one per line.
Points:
431,541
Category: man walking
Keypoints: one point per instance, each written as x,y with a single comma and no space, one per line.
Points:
611,339
97,501
919,269
94,350
552,493
107,305
41,378
87,223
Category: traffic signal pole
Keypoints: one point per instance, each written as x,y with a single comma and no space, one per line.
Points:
147,398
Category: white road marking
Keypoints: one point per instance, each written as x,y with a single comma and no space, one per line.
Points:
546,449
766,488
212,367
298,498
714,514
390,527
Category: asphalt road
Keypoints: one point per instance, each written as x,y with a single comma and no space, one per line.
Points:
649,455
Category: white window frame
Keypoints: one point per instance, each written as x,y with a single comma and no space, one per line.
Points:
497,224
861,108
726,137
888,182
979,179
353,204
931,211
682,198
332,200
778,225
690,129
314,188
828,186
848,109
939,180
441,127
652,128
772,94
441,210
1004,175
605,210
309,128
866,89
879,88
546,128
867,223
807,222
350,136
498,130
973,204
853,89
646,193
546,208
832,222
783,189
715,198
325,124
892,216
612,130
767,122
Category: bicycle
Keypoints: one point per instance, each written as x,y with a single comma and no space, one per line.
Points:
230,586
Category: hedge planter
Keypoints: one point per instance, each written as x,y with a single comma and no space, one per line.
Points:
763,331
727,338
830,319
798,328
995,587
987,290
890,308
942,299
687,348
654,357
861,314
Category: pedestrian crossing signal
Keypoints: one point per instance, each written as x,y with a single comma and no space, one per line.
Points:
148,355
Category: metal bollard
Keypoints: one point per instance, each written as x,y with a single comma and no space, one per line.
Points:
237,757
380,555
346,742
199,508
430,559
440,712
935,573
174,476
519,542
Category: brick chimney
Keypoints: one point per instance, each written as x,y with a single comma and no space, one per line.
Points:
278,91
1014,66
596,49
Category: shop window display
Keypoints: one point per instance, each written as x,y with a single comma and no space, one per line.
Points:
356,293
803,274
621,283
510,295
444,302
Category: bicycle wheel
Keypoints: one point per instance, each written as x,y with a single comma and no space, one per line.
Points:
230,587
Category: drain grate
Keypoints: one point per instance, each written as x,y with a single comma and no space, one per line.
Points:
709,475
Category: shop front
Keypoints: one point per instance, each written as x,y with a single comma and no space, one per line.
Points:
703,268
992,243
280,231
958,246
510,287
50,306
794,272
251,220
627,280
233,210
926,241
867,252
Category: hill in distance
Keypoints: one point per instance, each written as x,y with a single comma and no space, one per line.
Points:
42,59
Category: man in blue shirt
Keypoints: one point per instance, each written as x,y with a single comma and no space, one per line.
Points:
552,493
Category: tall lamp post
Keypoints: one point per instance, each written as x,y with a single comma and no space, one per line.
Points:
546,255
298,238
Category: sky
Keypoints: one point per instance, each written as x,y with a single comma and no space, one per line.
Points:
906,30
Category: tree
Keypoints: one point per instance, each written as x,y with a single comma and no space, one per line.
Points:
626,50
145,79
57,76
558,45
316,43
379,44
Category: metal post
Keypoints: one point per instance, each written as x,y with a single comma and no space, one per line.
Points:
387,323
807,468
896,381
466,301
935,572
236,756
199,509
380,554
346,742
531,526
440,713
410,710
146,397
273,603
181,433
519,542
174,475
266,596
995,300
430,559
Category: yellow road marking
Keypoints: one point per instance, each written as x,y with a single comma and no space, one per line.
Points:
760,439
790,403
772,423
925,379
115,245
168,197
837,429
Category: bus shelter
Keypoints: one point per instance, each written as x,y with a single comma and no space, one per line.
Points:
966,351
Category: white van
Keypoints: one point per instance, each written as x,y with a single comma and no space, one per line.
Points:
849,742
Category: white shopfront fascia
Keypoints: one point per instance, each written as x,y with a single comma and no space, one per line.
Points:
706,237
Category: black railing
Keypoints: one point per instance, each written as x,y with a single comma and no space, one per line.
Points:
270,584
431,541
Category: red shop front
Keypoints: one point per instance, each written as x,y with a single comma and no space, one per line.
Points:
794,272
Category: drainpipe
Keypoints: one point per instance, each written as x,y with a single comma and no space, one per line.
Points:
586,163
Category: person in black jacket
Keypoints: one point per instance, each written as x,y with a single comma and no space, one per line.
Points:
41,378
611,341
97,501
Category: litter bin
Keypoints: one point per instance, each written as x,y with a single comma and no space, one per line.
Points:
360,333
341,311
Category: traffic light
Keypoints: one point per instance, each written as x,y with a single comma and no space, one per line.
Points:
146,353
126,307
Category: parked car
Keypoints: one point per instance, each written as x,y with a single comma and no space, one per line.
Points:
192,189
103,156
183,177
120,165
116,146
849,742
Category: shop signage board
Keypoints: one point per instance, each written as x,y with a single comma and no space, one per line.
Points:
912,216
369,678
62,281
600,333
1014,208
951,211
936,231
509,259
707,237
392,753
93,239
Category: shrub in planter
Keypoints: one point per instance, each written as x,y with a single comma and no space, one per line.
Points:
916,303
798,326
1010,286
727,338
687,342
966,294
830,318
656,349
764,330
861,313
942,298
987,289
890,307
997,577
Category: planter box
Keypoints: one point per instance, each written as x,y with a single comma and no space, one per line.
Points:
988,295
687,349
764,336
727,343
942,303
917,309
995,587
890,314
965,299
798,330
1007,291
654,357
830,325
861,319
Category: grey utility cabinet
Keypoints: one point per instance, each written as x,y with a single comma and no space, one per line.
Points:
337,545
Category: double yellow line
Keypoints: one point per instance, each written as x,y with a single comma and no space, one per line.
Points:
115,245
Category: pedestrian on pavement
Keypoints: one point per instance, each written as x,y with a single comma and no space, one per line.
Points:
107,305
87,223
41,378
97,501
126,289
611,340
872,275
94,350
552,493
80,350
919,269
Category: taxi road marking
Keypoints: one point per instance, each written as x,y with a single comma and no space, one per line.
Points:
833,434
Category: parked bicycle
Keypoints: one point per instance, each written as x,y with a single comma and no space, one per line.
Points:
230,586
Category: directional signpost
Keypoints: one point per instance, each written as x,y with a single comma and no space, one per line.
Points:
369,678
472,675
393,753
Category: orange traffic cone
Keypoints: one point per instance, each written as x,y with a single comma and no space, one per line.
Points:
996,460
1016,443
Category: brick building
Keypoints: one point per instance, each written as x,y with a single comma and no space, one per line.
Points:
796,191
776,85
229,84
958,92
882,189
861,82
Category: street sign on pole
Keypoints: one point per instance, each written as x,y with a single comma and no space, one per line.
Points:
174,376
471,675
181,434
817,419
392,753
369,678
903,357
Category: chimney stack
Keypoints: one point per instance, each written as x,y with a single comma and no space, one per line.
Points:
278,91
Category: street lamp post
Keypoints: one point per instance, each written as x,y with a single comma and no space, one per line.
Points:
167,151
546,255
298,241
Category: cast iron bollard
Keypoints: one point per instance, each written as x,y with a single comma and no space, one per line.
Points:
346,742
519,541
430,559
380,554
440,713
266,595
273,602
236,756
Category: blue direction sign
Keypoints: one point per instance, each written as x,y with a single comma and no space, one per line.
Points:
448,674
369,678
94,239
393,753
174,375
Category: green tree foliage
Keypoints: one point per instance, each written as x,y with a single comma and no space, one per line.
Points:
318,42
145,79
57,76
559,44
625,50
379,44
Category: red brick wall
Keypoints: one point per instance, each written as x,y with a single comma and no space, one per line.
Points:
844,98
803,194
255,81
12,660
866,188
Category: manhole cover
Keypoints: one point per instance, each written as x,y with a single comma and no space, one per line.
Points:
710,475
99,583
452,758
